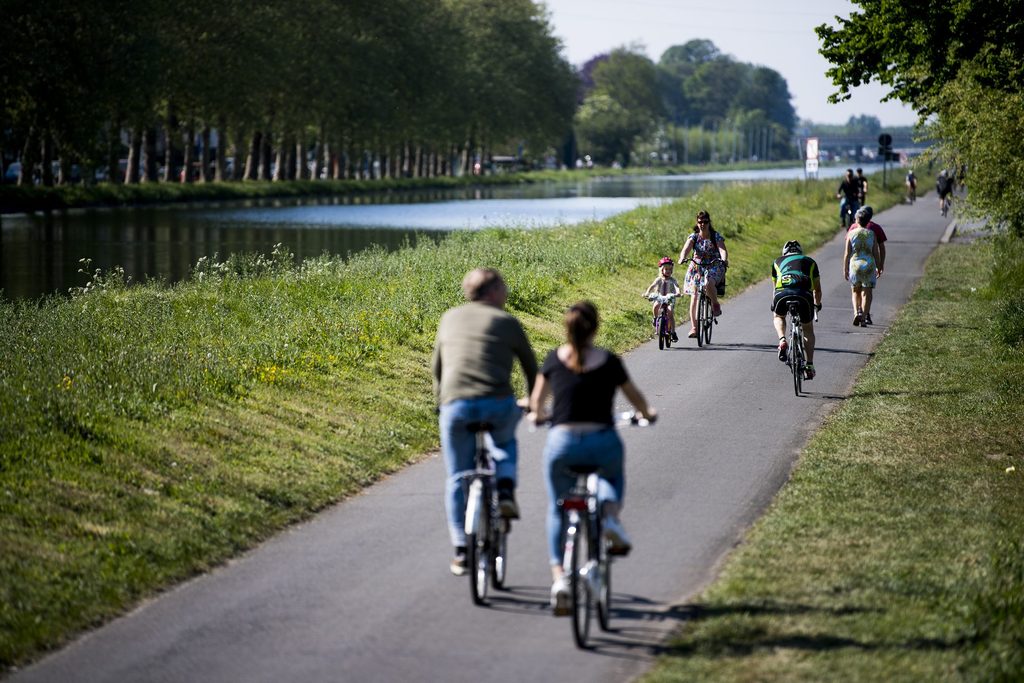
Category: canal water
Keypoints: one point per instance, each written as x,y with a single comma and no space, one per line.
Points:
42,253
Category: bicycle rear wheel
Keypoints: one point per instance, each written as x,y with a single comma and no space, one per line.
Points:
478,550
796,361
604,582
579,585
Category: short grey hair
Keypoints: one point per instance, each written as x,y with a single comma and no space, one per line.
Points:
480,282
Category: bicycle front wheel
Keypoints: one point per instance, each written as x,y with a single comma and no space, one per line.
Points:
579,584
499,566
699,323
706,320
661,334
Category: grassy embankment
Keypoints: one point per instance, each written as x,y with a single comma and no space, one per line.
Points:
895,551
22,199
152,431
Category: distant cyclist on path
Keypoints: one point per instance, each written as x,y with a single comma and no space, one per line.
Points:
795,277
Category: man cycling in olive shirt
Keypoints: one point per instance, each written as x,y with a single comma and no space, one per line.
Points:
476,346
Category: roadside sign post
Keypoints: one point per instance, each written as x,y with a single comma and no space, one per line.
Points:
885,151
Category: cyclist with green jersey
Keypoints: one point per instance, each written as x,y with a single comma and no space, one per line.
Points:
796,279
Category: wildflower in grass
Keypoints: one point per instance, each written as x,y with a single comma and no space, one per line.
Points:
66,383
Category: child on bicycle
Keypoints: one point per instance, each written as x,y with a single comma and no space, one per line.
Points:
665,284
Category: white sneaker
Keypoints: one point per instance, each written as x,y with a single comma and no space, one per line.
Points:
560,598
616,536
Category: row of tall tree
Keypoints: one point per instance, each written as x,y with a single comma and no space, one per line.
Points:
412,86
147,90
745,111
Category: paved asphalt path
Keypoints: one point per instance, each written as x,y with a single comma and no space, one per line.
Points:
363,593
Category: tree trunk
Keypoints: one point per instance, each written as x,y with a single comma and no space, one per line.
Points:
63,169
47,160
190,146
131,172
279,159
114,153
252,161
170,128
204,156
220,163
236,170
265,153
300,158
319,155
28,159
149,174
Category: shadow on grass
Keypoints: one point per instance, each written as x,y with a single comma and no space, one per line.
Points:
730,639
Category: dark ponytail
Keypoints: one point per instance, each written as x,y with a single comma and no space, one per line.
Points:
580,328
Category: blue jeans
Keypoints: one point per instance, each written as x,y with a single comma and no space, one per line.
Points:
565,448
458,446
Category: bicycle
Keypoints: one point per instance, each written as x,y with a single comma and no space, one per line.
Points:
911,193
847,211
705,319
486,530
797,352
586,556
662,327
945,205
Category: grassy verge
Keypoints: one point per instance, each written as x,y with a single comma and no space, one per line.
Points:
153,431
895,551
25,199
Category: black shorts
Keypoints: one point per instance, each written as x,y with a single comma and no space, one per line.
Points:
803,298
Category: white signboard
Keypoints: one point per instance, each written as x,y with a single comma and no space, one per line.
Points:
811,166
812,151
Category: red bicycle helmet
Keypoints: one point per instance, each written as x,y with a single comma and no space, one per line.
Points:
664,261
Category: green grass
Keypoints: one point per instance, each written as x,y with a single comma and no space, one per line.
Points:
894,552
153,431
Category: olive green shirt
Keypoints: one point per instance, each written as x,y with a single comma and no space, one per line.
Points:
473,354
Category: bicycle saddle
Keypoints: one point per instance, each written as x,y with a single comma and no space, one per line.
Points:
475,427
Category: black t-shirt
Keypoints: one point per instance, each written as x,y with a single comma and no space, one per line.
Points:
584,397
850,188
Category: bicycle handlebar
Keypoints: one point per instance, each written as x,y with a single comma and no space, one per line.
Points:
630,418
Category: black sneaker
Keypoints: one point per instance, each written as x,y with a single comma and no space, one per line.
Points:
783,350
867,320
459,562
674,337
507,507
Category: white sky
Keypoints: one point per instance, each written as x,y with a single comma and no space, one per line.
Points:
775,33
